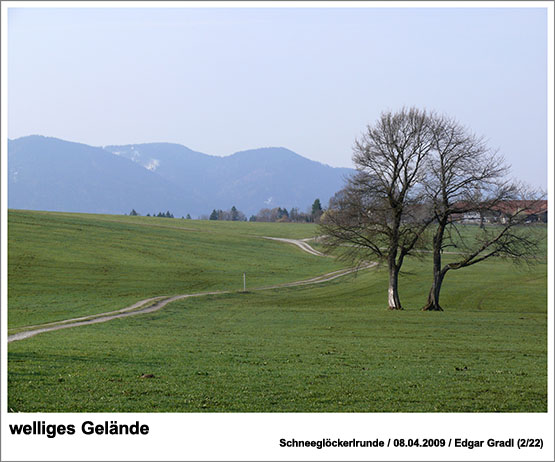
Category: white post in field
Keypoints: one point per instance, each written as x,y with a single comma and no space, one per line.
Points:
244,282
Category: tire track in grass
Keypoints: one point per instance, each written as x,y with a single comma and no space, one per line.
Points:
161,301
105,317
299,243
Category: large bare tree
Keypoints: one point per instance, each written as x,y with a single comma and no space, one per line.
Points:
463,178
508,236
416,168
380,213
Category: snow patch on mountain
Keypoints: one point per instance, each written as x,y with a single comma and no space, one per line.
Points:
152,165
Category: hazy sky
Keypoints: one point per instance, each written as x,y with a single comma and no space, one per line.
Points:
225,80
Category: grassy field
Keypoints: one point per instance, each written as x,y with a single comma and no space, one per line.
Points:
67,265
330,347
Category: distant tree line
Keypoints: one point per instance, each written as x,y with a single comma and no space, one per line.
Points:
277,214
228,215
167,214
281,215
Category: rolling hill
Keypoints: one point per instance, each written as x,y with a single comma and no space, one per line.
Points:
52,174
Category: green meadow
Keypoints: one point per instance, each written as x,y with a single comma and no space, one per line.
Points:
65,265
330,347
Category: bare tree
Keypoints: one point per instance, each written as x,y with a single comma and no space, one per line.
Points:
511,240
414,169
380,213
466,178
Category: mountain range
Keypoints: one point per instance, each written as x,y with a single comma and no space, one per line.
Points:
52,174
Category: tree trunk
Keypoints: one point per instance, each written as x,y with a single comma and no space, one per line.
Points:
439,273
393,293
433,296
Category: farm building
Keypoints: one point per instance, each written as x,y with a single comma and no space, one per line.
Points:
534,211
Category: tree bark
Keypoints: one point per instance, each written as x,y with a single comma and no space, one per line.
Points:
433,296
393,299
439,273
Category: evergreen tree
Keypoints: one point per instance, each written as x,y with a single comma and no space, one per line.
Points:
316,210
188,217
133,213
214,215
234,214
282,214
316,207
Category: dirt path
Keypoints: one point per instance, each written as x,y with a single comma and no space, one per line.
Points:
150,305
299,243
104,317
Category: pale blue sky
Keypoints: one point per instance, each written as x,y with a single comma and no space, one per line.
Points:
224,80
